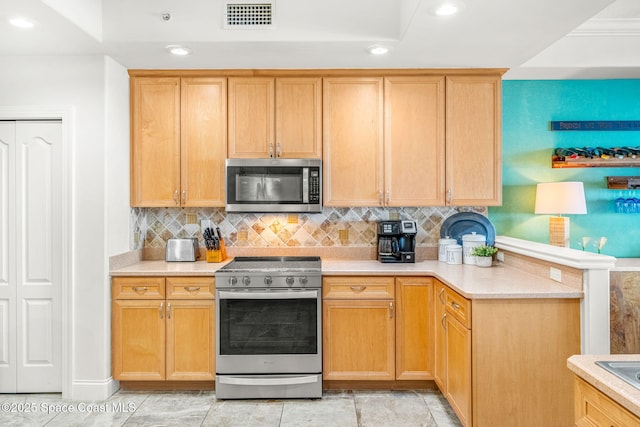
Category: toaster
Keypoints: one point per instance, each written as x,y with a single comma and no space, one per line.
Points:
182,249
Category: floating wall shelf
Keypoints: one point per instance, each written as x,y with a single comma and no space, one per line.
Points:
584,162
623,182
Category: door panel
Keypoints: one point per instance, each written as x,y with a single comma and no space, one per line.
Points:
38,273
7,259
30,257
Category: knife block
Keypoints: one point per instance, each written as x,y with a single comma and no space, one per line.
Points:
214,255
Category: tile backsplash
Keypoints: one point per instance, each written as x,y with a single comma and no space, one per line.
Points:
333,227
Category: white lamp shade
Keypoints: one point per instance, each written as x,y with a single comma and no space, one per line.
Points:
560,198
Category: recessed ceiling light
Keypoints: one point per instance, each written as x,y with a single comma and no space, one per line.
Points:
21,22
447,8
179,50
377,49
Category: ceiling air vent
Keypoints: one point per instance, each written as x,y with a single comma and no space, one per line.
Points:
243,14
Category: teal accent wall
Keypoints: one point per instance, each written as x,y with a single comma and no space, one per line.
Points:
527,146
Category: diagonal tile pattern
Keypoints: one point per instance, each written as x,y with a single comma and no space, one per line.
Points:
355,227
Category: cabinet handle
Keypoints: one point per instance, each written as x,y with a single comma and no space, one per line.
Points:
358,288
278,150
440,296
175,197
456,306
184,196
168,310
391,310
388,196
443,321
192,288
271,149
161,311
449,195
141,289
380,197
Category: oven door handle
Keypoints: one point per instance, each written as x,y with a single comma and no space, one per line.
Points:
308,379
269,295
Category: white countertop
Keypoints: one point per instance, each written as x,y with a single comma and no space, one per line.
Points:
625,394
472,282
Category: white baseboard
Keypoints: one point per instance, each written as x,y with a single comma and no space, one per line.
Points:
93,390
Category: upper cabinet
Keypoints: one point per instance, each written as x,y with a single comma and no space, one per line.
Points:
352,141
384,141
386,137
178,141
473,140
414,136
275,117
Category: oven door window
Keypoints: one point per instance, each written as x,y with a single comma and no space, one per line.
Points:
273,326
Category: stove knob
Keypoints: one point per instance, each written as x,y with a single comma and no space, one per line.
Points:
233,280
289,280
246,280
268,280
303,280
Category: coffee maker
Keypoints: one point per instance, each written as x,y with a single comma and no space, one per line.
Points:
396,241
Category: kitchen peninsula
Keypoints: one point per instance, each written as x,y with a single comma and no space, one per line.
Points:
500,325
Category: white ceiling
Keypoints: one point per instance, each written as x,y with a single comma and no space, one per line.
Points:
535,39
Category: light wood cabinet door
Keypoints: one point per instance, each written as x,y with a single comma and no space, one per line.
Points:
473,140
298,117
138,340
593,408
414,328
250,116
203,141
440,336
414,141
458,377
191,350
353,141
358,340
155,141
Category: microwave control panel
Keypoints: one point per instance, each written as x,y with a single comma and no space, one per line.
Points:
314,185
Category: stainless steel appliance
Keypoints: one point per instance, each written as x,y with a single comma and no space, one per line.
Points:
269,328
396,241
274,185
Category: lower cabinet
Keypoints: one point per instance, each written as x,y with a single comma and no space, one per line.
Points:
503,362
452,371
157,338
593,408
377,328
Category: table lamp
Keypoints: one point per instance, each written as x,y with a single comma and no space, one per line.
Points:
560,198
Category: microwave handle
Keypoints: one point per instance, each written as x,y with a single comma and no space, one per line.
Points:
268,295
305,185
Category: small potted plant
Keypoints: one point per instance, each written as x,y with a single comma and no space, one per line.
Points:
484,255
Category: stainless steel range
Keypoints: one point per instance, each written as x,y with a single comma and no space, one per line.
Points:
269,328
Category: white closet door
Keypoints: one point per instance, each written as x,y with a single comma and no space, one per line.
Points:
34,260
8,371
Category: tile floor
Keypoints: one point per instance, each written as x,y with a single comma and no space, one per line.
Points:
125,408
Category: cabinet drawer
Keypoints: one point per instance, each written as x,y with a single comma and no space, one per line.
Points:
358,287
459,307
190,287
137,288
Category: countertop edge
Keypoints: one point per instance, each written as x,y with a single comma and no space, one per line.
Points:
616,389
470,281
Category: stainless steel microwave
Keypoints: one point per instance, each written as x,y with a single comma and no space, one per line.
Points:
274,185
